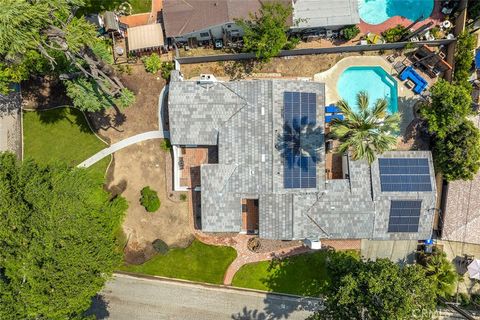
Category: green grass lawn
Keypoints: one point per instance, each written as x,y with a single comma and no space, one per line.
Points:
61,135
304,274
198,262
98,6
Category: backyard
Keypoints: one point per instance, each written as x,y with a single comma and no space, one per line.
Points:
138,6
198,262
62,134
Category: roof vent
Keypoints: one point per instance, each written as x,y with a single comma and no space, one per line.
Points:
207,78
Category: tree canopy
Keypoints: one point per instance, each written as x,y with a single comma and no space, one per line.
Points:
367,132
57,244
458,154
265,34
464,57
38,37
450,104
378,289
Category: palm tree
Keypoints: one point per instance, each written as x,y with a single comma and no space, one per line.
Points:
443,274
367,132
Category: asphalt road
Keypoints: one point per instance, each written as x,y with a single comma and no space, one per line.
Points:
133,298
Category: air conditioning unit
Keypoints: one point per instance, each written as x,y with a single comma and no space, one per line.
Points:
207,78
314,244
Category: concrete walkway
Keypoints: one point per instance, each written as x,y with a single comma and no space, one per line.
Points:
123,144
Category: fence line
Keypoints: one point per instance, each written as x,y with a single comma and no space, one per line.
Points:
311,51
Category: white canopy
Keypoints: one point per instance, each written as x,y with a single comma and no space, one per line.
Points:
474,269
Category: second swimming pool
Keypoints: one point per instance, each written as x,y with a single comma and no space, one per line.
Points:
379,11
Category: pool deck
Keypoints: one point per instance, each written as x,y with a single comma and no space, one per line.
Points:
406,97
436,17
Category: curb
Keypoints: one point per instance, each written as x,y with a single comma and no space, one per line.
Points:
211,285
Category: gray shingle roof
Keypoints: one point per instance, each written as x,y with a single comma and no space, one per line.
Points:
245,119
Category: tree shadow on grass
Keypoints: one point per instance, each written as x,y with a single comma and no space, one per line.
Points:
71,115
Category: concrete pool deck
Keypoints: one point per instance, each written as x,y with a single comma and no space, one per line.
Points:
406,97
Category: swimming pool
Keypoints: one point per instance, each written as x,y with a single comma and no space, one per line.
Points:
376,81
378,11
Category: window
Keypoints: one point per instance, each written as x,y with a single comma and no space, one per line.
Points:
204,34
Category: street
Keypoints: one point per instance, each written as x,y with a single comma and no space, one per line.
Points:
127,297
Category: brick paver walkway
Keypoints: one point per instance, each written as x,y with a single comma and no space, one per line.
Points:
245,256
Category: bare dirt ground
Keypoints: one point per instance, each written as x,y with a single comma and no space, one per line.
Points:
43,93
298,66
143,165
142,116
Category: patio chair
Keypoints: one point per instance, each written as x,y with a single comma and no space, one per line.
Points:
332,109
329,119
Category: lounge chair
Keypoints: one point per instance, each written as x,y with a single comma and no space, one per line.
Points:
329,119
332,109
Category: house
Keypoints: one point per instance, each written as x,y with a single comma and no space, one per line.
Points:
269,177
200,22
312,15
461,215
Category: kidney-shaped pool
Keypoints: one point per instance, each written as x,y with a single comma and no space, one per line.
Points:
372,79
379,11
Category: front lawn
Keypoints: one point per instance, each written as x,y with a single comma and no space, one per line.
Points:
61,135
198,262
304,274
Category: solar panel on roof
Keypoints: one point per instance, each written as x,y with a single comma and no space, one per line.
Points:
299,110
404,215
404,174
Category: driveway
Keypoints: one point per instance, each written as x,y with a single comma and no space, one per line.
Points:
126,298
10,124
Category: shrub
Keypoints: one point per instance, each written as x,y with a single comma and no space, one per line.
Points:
350,32
166,145
149,199
167,68
125,99
160,246
183,197
464,57
291,43
394,34
152,63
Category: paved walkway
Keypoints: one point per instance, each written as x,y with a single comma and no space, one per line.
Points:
123,144
245,256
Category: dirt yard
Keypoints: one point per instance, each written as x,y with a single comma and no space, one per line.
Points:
143,165
142,116
299,66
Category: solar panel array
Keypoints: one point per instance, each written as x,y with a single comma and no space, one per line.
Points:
404,174
404,216
299,109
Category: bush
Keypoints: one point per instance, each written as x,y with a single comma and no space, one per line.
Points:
464,57
166,145
350,32
160,246
292,43
183,197
149,199
152,63
394,34
167,68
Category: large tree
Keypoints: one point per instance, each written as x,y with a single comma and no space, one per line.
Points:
266,32
41,34
57,244
377,290
368,131
457,155
449,106
442,274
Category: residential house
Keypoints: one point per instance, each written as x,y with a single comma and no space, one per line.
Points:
317,15
270,176
203,21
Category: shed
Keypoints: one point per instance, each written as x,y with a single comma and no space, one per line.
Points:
111,22
145,38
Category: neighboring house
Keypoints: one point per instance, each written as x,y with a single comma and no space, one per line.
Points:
461,217
311,15
270,176
203,21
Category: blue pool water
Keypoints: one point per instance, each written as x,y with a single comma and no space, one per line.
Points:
376,81
378,11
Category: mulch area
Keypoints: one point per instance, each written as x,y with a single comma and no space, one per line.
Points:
43,93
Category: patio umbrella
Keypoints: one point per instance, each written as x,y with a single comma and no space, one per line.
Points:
474,269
